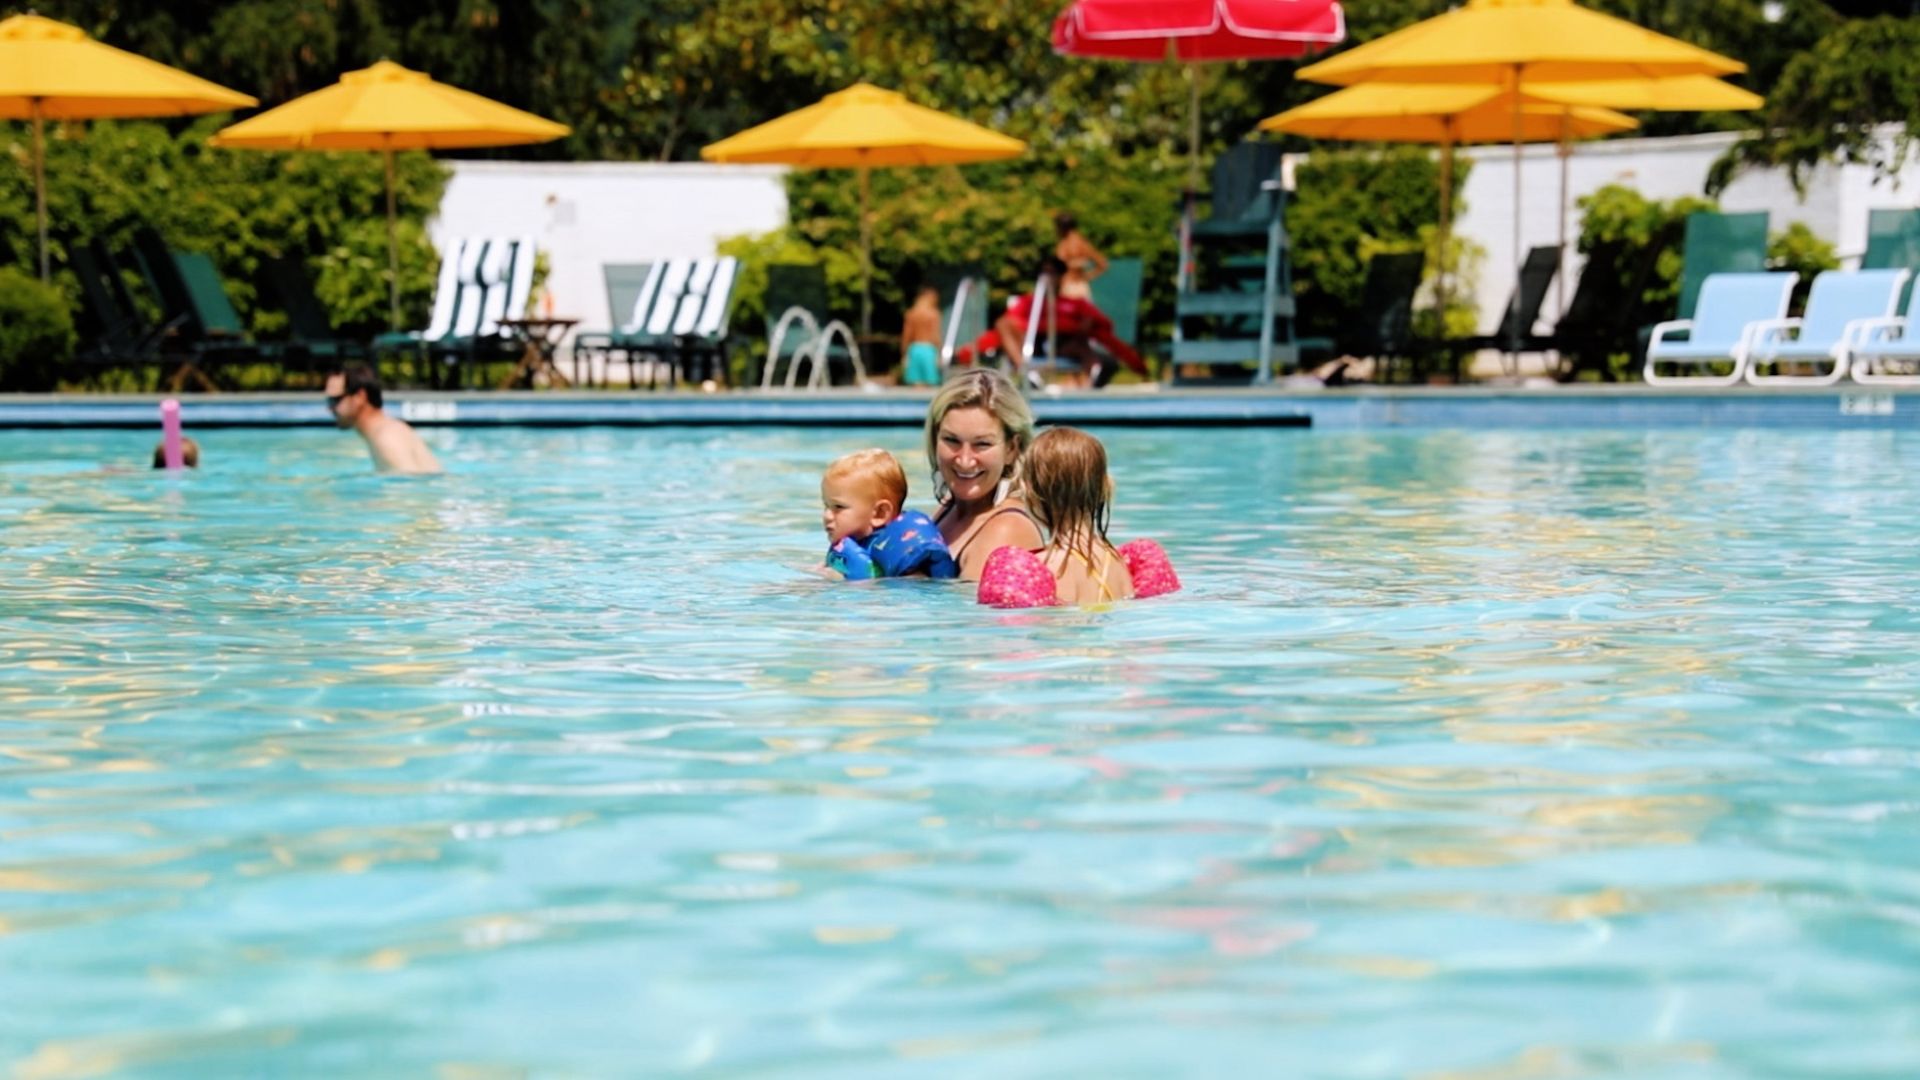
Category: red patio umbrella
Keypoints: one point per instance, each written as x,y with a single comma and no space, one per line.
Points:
1195,32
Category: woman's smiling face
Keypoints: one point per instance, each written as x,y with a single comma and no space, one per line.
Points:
973,454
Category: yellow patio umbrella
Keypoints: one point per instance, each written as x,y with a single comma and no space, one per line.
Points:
1517,44
389,108
1680,93
52,71
864,127
1447,115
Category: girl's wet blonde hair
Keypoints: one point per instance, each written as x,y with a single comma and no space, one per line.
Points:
1068,489
981,388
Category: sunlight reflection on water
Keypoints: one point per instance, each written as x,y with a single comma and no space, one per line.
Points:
1470,754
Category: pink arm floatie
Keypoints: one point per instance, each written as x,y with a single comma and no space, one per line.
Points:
1015,577
1152,571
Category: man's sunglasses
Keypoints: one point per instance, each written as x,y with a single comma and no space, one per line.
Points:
333,402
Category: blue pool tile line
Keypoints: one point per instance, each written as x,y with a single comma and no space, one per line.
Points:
1358,409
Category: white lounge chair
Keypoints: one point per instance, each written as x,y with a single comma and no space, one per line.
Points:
1730,306
1886,352
1841,303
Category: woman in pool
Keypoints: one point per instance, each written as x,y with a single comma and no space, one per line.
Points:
978,425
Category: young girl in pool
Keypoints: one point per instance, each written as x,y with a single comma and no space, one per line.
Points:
1070,493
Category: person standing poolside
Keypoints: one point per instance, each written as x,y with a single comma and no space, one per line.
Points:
978,425
354,398
920,340
1083,261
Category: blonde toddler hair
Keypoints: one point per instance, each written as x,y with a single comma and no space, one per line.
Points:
878,470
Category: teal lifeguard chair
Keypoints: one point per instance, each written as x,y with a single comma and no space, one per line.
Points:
1235,310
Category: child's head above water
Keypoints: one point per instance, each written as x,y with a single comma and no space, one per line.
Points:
861,492
189,454
1068,488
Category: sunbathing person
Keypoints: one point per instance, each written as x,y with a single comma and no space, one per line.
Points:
1080,326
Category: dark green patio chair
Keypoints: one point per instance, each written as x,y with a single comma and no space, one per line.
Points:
312,346
1515,333
211,334
113,334
1241,202
1382,327
627,284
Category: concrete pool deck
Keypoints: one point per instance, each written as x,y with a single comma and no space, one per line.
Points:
1365,407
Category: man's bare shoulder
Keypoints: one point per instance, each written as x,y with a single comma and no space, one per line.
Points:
397,448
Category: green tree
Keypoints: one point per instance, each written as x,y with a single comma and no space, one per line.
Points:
1831,102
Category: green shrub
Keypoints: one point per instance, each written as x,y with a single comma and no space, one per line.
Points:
1352,204
107,179
36,332
1796,248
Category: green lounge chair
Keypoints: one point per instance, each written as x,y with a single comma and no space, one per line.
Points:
1382,328
624,282
312,344
1719,244
211,333
114,336
450,288
1117,294
1893,240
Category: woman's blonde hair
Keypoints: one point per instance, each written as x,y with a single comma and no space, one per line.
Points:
981,388
1068,488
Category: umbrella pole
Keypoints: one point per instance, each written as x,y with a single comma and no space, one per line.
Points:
1566,159
1446,223
1193,127
40,182
1519,134
393,249
866,260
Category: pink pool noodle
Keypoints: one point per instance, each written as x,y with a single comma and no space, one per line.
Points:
170,434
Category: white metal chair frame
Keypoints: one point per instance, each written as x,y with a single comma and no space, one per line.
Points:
1775,331
812,350
1741,350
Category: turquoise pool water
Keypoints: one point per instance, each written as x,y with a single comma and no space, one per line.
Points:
1529,754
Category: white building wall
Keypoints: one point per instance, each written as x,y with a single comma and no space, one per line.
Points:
1835,206
586,214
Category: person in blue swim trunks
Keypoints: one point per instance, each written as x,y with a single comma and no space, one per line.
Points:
868,535
920,339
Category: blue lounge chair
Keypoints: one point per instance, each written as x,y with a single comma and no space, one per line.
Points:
1720,330
1886,352
1841,301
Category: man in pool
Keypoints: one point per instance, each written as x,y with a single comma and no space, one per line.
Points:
353,396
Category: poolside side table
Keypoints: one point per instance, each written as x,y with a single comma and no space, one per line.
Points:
540,339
